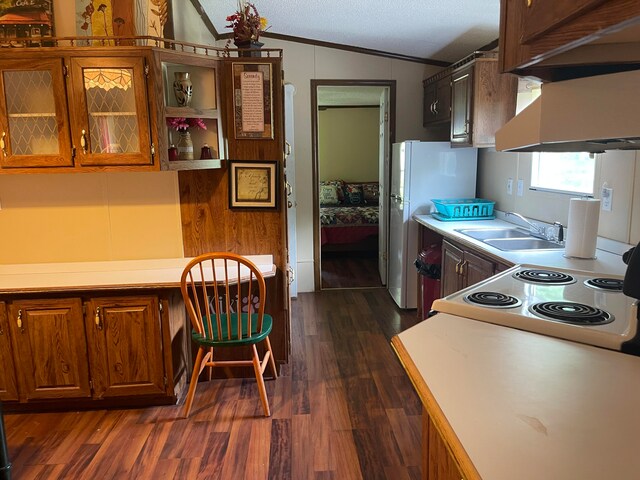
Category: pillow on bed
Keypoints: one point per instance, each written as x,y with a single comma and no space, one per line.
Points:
339,184
353,194
329,195
371,192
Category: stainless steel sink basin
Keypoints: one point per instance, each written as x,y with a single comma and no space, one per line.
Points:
530,243
509,238
485,233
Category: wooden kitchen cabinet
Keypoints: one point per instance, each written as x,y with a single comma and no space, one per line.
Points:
482,101
437,462
33,114
109,111
49,347
8,384
437,100
556,40
462,267
125,346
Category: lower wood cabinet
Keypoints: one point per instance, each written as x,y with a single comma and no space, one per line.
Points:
8,384
91,348
50,349
462,268
437,461
125,346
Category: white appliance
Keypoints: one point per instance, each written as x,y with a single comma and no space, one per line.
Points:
583,307
421,171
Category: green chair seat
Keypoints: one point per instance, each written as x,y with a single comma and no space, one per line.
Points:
204,340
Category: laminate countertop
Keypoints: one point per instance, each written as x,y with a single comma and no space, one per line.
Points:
517,405
608,256
117,274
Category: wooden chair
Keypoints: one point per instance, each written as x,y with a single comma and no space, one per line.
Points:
226,313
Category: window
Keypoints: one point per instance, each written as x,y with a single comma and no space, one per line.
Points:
563,172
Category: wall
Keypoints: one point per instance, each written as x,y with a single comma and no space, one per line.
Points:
348,141
619,169
302,63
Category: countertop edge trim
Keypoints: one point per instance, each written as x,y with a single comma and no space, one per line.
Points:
435,412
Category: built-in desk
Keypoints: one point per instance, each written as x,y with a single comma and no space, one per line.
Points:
95,334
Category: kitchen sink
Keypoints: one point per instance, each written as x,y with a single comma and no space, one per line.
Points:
486,233
530,243
509,238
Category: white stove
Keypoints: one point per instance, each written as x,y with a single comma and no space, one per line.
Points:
574,305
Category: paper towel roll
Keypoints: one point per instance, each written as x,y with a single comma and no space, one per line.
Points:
582,228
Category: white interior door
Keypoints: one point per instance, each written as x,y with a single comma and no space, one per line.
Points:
290,179
383,176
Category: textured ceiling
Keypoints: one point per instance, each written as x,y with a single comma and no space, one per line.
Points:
445,30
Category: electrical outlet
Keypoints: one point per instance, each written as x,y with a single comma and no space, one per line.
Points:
520,187
607,199
510,186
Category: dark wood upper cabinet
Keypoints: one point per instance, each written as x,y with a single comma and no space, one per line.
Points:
557,40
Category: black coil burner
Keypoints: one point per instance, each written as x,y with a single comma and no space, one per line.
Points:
608,284
544,276
493,300
570,312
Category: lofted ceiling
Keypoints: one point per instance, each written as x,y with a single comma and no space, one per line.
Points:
442,30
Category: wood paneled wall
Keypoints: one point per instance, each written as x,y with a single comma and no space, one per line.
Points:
209,224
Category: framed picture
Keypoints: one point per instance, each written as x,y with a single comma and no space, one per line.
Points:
253,184
252,100
27,23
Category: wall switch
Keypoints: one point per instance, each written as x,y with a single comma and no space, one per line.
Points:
510,186
520,187
607,198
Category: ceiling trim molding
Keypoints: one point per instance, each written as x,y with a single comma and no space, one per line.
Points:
205,19
349,48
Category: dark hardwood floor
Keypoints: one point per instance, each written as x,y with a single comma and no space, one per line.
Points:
350,270
342,409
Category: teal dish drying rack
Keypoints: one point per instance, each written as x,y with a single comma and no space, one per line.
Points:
456,209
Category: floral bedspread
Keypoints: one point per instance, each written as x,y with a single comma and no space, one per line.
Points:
352,215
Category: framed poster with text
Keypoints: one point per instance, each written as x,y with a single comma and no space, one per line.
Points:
252,184
252,100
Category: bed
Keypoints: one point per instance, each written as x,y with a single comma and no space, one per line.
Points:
349,215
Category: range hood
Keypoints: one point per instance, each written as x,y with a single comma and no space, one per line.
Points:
590,114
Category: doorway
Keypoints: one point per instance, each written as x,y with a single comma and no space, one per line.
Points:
352,131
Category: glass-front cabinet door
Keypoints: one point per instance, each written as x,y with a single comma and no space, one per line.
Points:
33,114
110,112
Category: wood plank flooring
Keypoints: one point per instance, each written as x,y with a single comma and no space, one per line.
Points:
350,270
342,409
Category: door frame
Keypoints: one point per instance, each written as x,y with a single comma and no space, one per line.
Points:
391,84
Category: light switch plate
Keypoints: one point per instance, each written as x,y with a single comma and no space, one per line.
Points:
510,186
520,187
606,199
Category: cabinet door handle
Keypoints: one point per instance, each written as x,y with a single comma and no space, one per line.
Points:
288,150
431,107
19,321
466,127
83,141
97,319
3,144
292,274
435,107
463,268
458,267
529,3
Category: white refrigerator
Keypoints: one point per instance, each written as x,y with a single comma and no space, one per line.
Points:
421,171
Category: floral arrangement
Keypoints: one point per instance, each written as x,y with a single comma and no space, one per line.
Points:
182,124
246,22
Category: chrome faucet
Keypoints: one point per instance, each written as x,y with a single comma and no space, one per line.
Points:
536,230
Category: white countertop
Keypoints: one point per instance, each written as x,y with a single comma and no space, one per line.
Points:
605,262
523,405
152,273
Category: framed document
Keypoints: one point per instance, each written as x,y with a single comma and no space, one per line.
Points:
253,184
252,100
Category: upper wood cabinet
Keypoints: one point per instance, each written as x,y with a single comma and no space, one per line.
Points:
556,40
437,100
33,114
482,101
472,99
109,110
